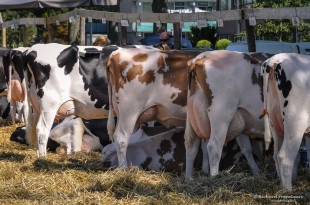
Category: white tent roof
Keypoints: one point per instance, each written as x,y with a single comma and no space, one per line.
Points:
28,4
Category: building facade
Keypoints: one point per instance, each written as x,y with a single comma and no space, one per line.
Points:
136,32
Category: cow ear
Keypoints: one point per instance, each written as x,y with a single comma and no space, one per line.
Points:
68,58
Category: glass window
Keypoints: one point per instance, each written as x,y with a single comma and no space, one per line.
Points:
147,7
179,5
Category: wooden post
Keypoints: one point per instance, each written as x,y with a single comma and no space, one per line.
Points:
250,33
177,36
4,37
82,40
123,35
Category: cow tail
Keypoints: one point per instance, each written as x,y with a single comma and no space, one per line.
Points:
111,120
266,74
9,84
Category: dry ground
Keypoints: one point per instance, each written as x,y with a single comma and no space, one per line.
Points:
80,179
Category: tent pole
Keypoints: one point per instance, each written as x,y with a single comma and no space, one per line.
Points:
4,37
82,40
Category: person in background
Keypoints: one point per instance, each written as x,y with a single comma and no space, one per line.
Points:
164,42
101,41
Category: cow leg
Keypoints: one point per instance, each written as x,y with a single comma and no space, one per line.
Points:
44,126
192,143
31,135
219,121
13,111
205,161
124,130
25,112
246,149
289,149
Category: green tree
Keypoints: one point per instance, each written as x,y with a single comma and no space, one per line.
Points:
281,30
18,35
208,33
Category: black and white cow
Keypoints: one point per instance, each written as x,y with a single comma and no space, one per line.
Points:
3,84
15,78
65,80
286,93
163,149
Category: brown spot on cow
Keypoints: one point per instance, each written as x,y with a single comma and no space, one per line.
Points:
134,71
161,62
141,57
148,77
201,77
176,73
119,68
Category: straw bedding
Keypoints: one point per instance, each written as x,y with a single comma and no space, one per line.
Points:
80,179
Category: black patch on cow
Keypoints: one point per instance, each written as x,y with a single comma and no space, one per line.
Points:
250,58
106,51
40,93
285,103
68,58
19,62
6,59
258,80
41,73
98,127
93,70
268,69
283,84
283,113
165,147
146,163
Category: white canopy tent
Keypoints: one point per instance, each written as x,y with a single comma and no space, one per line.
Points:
32,4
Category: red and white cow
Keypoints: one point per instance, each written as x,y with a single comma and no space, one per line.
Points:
145,85
15,78
225,100
65,80
287,100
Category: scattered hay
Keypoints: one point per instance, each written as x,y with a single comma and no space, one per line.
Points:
80,179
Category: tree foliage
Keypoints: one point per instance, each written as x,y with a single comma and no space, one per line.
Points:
18,36
281,30
207,33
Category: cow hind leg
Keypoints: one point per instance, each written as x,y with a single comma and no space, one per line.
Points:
31,135
205,162
192,143
246,149
13,111
289,150
124,130
44,126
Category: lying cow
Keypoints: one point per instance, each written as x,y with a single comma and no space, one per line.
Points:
162,149
72,135
286,88
15,78
225,99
